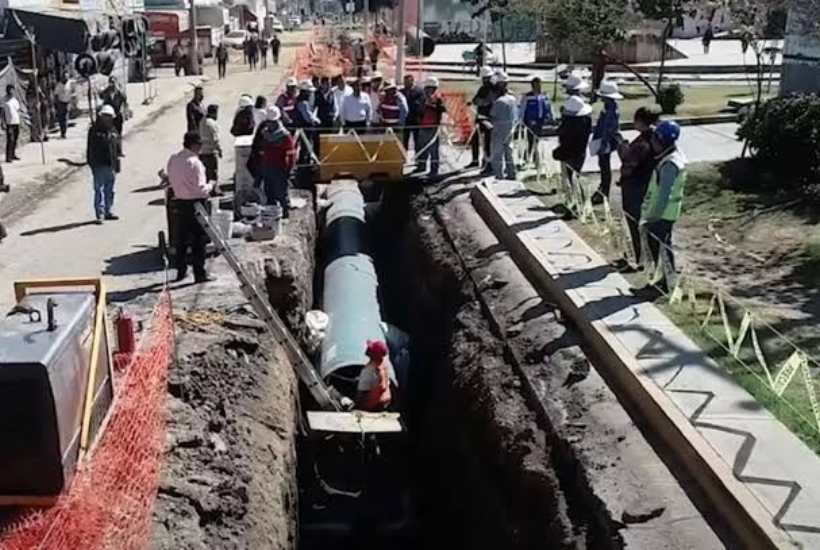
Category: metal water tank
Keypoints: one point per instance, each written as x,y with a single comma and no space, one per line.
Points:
45,348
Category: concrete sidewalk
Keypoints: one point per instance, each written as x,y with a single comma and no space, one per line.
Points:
753,447
30,178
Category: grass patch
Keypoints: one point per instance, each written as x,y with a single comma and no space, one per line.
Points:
699,100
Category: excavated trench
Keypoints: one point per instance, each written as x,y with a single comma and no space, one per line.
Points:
480,470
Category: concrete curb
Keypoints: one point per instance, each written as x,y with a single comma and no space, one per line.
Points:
743,514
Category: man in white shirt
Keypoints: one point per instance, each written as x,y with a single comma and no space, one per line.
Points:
11,123
63,93
356,110
340,91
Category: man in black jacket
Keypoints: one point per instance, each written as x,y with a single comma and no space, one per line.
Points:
195,111
415,103
104,161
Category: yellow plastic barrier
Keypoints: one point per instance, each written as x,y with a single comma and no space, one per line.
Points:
365,156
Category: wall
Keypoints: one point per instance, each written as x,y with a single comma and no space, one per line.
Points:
801,54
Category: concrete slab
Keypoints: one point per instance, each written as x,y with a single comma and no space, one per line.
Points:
722,53
772,465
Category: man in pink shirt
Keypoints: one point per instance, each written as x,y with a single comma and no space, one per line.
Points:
189,186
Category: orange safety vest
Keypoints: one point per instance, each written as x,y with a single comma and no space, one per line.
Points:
431,112
389,111
378,397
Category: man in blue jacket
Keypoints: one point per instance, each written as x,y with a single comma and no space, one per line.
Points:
603,137
536,111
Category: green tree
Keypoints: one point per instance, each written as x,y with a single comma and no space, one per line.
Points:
668,12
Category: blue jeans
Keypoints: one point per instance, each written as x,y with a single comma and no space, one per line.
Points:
104,178
62,116
502,156
427,136
275,180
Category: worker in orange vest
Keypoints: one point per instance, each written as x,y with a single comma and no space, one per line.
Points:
374,383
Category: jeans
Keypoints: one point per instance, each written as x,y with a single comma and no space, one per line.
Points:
190,234
211,162
660,232
61,108
405,137
428,148
502,157
632,195
604,163
223,67
104,178
275,179
275,56
12,135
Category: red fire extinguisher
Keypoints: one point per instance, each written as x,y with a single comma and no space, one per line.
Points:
126,340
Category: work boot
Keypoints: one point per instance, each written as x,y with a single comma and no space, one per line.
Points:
182,274
204,278
111,217
473,164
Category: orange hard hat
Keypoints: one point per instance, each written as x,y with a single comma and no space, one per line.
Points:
376,349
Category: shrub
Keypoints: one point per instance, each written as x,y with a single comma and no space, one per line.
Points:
784,136
670,96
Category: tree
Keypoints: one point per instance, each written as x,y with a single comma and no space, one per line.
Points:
668,12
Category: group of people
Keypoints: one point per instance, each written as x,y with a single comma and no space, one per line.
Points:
255,50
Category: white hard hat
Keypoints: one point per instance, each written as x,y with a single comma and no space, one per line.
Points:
576,106
389,84
609,89
501,78
307,86
376,76
245,101
431,82
485,72
273,114
291,82
107,110
576,83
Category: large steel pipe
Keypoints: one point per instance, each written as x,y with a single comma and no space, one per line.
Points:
350,296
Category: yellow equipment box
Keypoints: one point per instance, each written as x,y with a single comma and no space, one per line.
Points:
367,156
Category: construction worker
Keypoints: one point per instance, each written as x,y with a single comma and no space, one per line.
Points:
604,137
503,117
210,151
665,193
243,121
287,102
103,159
415,102
272,158
306,120
483,101
576,84
536,111
392,107
429,125
373,388
190,187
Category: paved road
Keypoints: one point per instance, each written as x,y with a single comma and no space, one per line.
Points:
55,237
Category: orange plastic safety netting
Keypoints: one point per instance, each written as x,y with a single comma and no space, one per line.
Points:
109,503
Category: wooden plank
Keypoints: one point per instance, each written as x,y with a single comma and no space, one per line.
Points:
355,422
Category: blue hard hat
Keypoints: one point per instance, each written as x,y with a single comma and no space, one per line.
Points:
668,131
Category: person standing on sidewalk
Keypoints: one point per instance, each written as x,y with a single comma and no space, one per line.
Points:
708,36
604,137
272,157
190,187
195,111
252,46
503,116
536,111
211,150
222,59
263,52
482,101
429,127
178,55
415,102
573,134
63,93
665,194
637,166
275,45
104,161
11,123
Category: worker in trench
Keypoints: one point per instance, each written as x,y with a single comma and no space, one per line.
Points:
373,388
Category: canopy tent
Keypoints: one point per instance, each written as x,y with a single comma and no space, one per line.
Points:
55,30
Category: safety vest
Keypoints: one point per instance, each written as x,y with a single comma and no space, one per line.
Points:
671,211
378,397
535,106
286,104
389,110
431,111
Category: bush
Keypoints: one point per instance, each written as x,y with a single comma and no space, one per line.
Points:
670,97
784,136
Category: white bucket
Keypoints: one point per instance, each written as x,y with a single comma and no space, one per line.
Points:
271,218
222,220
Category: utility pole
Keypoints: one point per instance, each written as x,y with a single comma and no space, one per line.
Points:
366,17
420,29
400,34
194,53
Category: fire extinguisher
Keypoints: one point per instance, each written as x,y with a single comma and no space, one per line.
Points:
126,340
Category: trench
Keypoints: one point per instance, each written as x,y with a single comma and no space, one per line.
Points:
474,469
